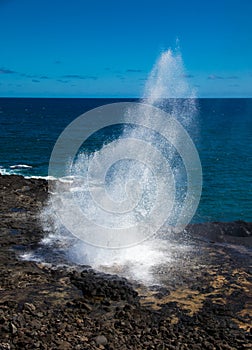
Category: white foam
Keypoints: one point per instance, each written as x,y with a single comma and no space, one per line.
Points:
40,177
137,263
20,166
31,256
16,171
4,171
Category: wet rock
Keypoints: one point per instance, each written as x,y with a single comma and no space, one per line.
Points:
104,286
237,232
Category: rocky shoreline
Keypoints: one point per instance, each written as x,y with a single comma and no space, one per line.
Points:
206,304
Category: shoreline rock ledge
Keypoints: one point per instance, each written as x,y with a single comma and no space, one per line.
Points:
205,303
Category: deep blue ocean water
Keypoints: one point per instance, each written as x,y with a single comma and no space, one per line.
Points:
29,128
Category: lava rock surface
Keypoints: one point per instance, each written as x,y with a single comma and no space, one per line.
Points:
205,304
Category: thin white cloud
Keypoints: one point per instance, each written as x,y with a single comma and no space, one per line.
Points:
220,77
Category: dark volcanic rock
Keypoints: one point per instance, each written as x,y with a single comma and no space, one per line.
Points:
104,286
203,305
237,232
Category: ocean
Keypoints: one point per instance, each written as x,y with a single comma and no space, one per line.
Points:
29,128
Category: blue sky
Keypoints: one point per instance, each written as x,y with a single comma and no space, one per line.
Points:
106,48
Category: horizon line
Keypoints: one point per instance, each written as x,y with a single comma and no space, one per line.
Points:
125,97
